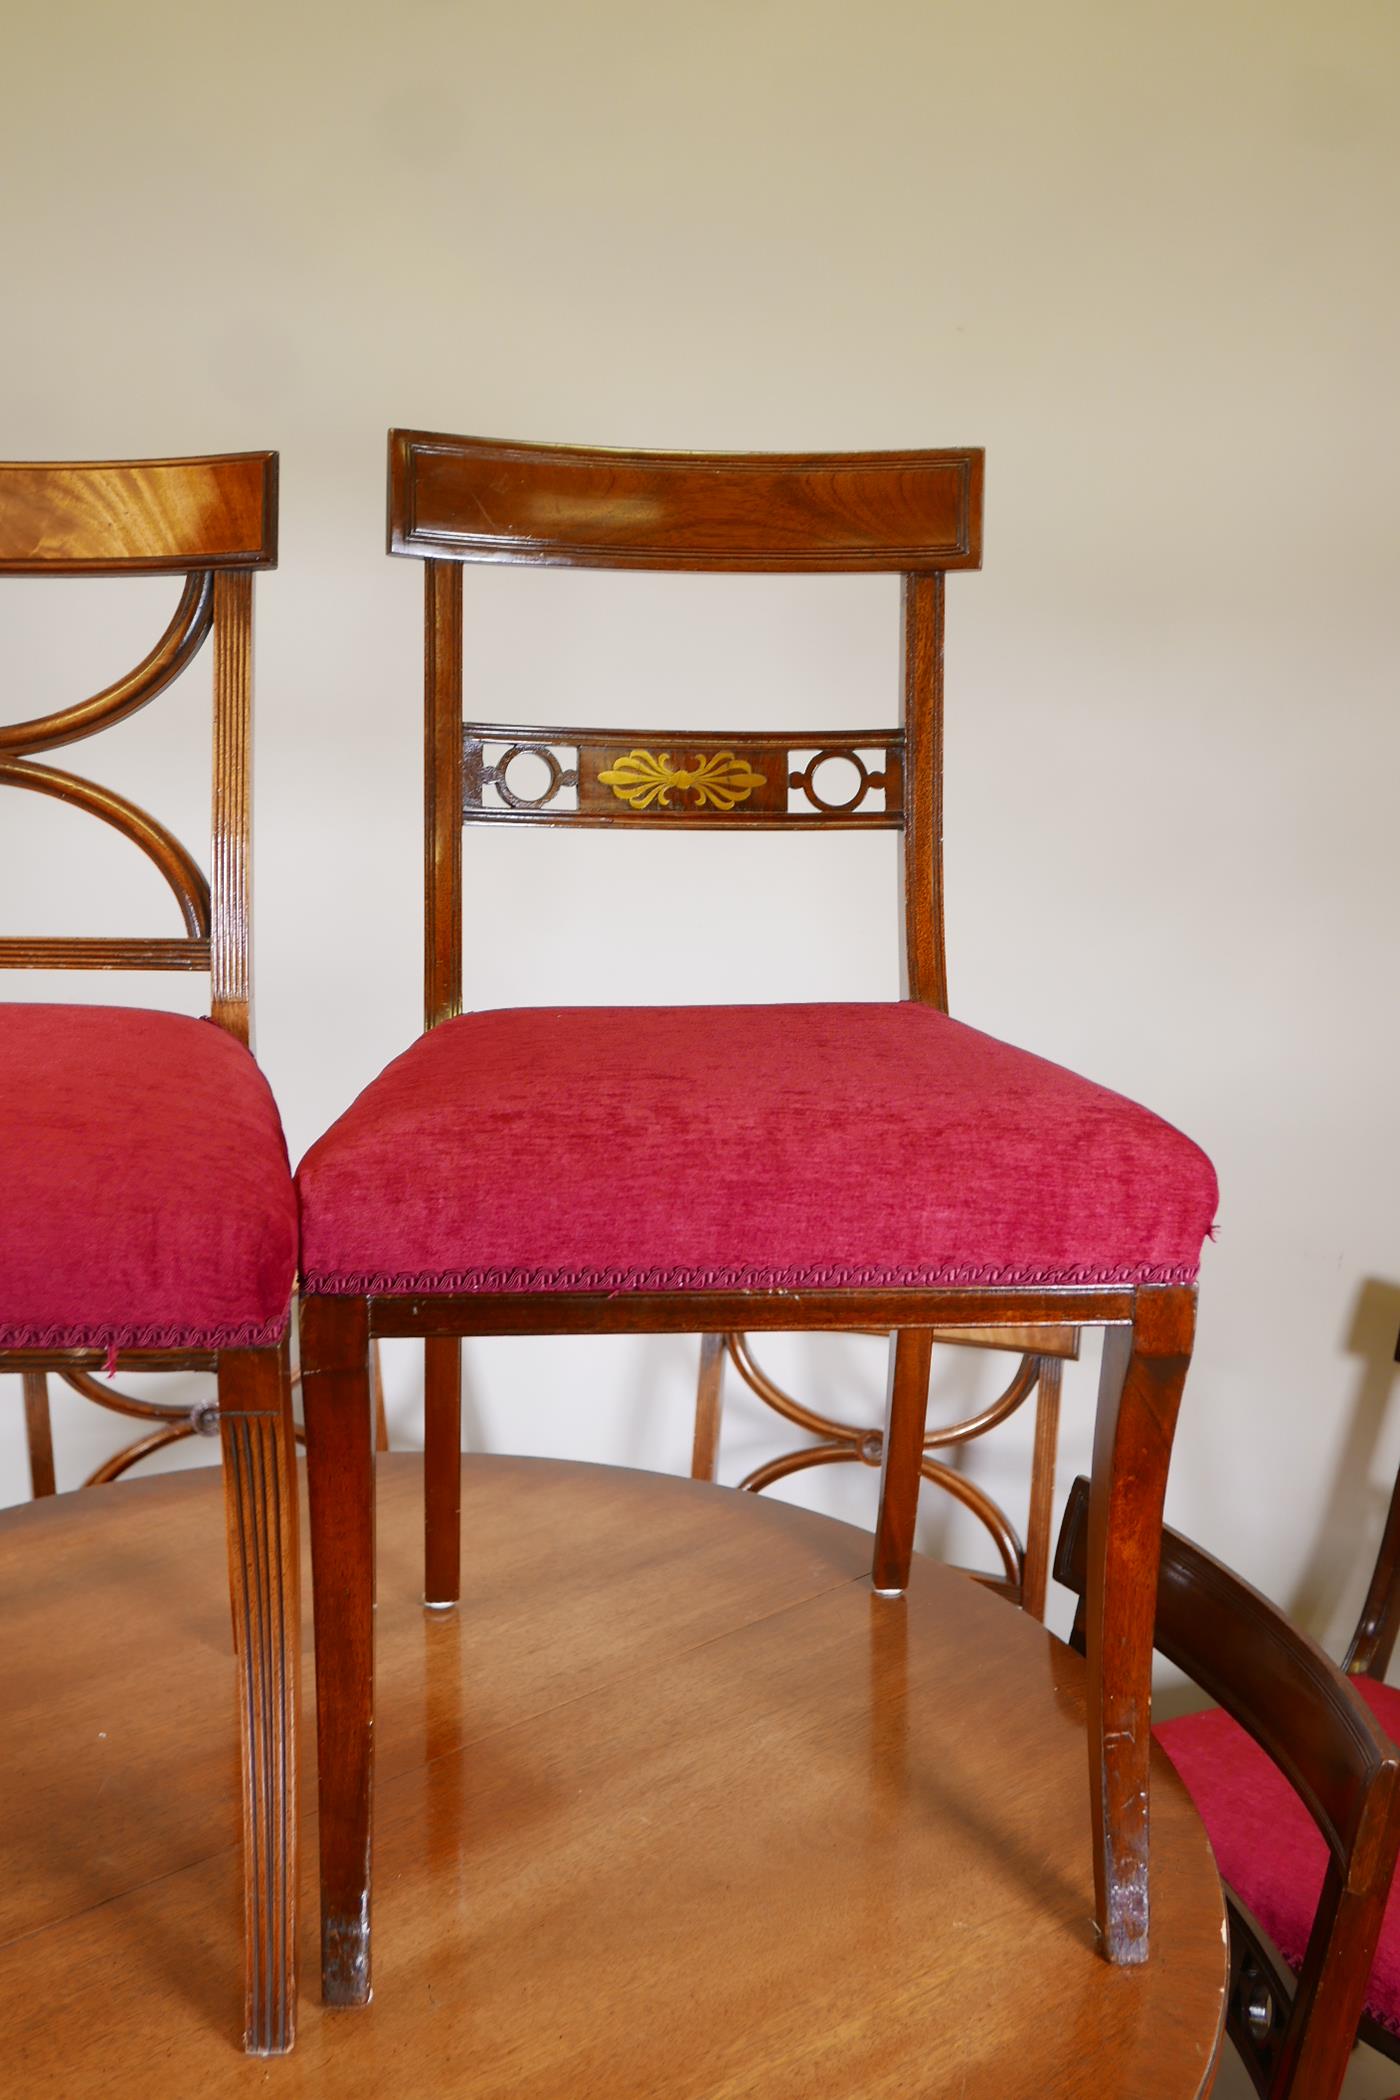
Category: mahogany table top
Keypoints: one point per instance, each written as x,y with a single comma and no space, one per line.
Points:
672,1807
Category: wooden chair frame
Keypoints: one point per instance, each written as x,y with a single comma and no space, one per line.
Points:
1262,1986
1025,1562
918,515
1298,1706
214,521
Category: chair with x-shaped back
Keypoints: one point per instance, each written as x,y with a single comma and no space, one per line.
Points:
149,1218
1003,1191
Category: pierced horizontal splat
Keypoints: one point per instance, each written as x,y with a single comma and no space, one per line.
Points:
846,779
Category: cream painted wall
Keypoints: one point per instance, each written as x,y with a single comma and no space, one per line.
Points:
1145,254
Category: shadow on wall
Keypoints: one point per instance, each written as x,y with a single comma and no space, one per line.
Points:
1355,1508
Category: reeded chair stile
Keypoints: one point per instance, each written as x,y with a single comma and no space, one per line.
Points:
1005,1193
149,1218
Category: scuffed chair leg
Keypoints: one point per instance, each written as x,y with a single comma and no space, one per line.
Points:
902,1459
335,1385
442,1472
260,1498
1144,1370
709,1407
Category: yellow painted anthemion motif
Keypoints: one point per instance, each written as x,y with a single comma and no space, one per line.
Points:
717,782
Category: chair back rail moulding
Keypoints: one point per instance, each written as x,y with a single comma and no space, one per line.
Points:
470,499
152,516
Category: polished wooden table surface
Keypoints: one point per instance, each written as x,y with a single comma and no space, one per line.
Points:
674,1806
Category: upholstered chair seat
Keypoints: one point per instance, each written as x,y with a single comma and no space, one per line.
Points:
148,1202
764,1147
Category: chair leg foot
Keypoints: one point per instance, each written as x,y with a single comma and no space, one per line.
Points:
442,1472
345,1979
1144,1370
260,1495
902,1460
336,1402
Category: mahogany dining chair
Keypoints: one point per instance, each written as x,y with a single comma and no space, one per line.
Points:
149,1218
1295,1775
915,1174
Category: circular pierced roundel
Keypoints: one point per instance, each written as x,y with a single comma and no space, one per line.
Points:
535,766
828,773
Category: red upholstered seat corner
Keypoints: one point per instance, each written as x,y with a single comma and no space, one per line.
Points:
147,1200
765,1147
1266,1844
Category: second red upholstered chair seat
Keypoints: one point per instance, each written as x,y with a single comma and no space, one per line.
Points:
897,1147
1266,1845
1296,1776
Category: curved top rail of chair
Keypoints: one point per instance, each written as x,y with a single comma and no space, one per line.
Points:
471,499
152,516
179,645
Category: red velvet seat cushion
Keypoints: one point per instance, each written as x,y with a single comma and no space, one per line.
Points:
145,1195
655,1148
1266,1844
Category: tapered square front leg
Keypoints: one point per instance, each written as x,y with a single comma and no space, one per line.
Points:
264,1546
901,1461
336,1397
1144,1370
442,1472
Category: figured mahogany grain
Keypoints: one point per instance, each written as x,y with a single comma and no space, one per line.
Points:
589,1884
74,517
478,499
